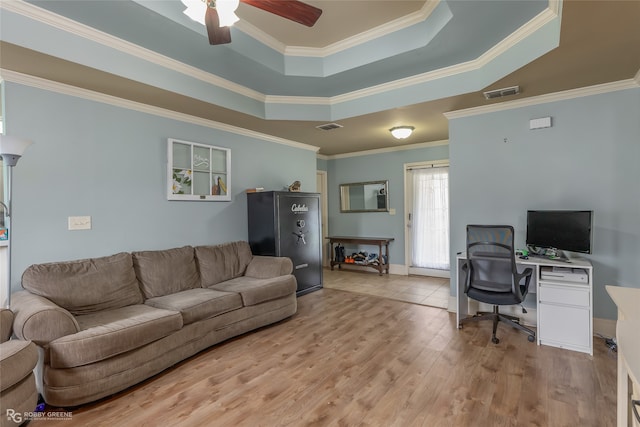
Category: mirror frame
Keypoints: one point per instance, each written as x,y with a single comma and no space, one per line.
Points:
343,189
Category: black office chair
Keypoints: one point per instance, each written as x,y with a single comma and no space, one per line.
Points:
491,275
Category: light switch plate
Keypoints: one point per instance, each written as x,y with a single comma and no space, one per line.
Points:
79,223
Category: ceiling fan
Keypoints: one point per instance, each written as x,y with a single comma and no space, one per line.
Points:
219,15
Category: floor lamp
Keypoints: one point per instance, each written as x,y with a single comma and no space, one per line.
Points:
11,149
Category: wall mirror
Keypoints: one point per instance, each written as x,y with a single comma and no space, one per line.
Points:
372,196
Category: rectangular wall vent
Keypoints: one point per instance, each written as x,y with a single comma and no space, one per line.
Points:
329,126
499,93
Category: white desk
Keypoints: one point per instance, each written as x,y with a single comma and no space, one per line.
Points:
563,308
628,337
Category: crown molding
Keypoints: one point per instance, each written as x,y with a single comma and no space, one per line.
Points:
500,48
348,43
387,150
81,30
298,100
544,99
64,89
366,36
260,36
84,31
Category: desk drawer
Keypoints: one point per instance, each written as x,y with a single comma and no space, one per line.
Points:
564,295
564,326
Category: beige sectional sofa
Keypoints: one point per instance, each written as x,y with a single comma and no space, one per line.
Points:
107,323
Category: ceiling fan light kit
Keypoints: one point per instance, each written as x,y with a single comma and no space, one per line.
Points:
401,132
219,15
227,11
195,10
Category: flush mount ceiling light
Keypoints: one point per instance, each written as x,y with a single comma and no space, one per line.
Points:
401,132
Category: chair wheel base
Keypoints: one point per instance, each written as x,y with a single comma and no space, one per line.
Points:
495,340
531,338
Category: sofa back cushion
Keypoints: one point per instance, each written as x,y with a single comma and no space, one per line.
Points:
86,286
166,272
222,262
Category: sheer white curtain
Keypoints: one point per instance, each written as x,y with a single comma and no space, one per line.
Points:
430,222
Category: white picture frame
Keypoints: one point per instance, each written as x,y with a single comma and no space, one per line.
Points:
198,172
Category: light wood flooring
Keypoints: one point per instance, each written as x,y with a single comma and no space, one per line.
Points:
350,359
432,291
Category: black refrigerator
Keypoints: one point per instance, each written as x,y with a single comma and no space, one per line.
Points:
283,223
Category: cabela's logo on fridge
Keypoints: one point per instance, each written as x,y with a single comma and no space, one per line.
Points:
299,208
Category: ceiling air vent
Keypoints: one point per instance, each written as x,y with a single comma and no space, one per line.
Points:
329,126
499,93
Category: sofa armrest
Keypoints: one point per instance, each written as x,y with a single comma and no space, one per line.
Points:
40,320
6,324
17,360
266,267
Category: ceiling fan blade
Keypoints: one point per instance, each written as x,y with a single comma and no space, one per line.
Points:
293,10
217,34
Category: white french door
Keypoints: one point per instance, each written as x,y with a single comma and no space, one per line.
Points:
428,218
321,187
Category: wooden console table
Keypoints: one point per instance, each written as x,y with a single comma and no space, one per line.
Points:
376,241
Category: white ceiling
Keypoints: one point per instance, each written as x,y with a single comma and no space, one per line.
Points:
368,65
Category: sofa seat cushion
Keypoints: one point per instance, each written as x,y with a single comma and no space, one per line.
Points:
17,360
222,262
112,332
198,304
166,272
255,291
86,286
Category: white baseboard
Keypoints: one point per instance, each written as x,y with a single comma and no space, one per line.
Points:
604,327
398,269
453,304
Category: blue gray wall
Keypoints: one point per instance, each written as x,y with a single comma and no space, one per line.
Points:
588,159
376,167
91,158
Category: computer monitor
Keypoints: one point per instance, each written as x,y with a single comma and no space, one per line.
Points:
565,230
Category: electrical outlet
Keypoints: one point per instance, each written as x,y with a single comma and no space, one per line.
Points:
79,223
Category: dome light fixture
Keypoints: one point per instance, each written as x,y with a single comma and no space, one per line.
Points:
401,132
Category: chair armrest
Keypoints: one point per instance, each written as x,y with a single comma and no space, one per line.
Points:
40,320
525,274
266,267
